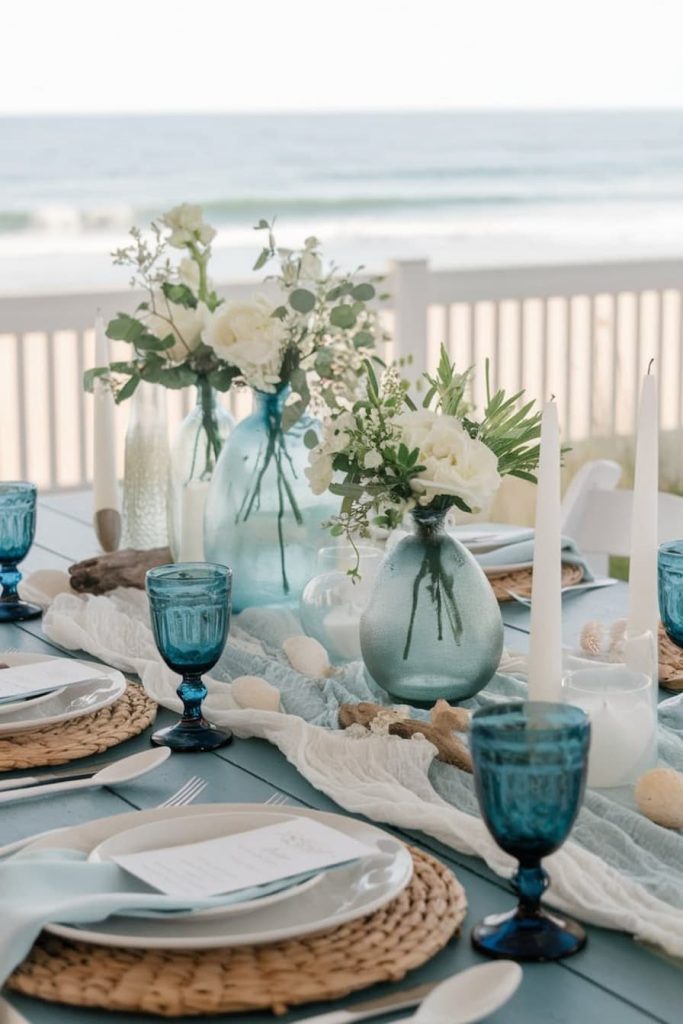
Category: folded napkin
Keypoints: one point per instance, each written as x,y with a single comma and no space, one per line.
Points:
63,887
521,549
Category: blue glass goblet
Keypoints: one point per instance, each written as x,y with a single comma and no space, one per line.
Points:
190,605
670,565
530,774
17,527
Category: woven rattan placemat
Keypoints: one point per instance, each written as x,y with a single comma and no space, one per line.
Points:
381,947
520,581
80,737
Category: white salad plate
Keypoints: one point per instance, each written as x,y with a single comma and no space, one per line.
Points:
9,705
103,688
482,537
162,835
343,894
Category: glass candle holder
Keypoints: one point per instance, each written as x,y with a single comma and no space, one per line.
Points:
17,529
332,603
670,577
529,764
190,605
623,717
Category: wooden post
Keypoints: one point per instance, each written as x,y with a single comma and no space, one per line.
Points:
409,294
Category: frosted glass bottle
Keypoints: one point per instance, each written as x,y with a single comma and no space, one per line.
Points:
146,466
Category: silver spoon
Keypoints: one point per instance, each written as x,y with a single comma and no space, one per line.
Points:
125,770
470,995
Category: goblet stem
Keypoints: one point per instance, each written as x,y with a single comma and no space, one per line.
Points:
530,882
192,693
9,578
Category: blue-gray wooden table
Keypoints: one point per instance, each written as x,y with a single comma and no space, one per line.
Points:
614,981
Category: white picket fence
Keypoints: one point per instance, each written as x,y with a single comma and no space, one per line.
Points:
583,332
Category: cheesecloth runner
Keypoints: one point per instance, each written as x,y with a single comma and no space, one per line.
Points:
620,870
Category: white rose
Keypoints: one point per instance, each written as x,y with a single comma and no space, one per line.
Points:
372,460
188,272
336,432
246,335
319,472
455,464
184,324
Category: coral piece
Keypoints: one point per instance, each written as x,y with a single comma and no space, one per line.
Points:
659,796
307,656
593,638
444,722
125,568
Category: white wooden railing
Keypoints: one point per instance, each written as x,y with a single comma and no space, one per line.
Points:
584,332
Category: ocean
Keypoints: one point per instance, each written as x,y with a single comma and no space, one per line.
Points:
461,189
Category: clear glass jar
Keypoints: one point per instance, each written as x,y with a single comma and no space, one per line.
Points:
146,466
194,455
332,603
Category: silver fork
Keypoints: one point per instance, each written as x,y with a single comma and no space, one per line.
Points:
187,793
184,796
277,800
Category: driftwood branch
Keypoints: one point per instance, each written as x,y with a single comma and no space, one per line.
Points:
125,568
444,722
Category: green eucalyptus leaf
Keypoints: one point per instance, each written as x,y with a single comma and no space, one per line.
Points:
125,328
176,377
342,316
302,300
150,343
262,259
324,361
280,313
127,390
363,292
222,378
311,438
180,294
363,339
91,375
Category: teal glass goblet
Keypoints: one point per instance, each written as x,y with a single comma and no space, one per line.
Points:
17,528
530,762
190,608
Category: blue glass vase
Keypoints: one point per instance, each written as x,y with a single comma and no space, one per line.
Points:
432,627
671,589
262,519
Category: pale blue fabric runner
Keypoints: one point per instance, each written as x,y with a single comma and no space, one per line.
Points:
608,826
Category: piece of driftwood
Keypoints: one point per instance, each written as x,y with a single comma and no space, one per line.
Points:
125,568
444,722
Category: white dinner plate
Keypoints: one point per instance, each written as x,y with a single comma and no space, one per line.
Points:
103,688
503,570
343,895
160,835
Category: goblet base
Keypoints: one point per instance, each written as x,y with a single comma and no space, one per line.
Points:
191,736
18,611
517,936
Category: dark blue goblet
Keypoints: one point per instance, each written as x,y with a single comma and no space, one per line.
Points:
17,527
530,774
671,589
190,605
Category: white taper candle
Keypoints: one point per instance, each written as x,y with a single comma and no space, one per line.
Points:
545,643
106,497
643,605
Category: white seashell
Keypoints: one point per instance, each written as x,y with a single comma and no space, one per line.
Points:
44,585
255,692
307,656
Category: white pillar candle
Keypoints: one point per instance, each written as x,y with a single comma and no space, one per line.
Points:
545,642
192,521
643,607
106,498
623,721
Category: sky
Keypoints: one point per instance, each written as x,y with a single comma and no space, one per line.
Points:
175,56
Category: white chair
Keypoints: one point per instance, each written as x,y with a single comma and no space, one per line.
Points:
598,516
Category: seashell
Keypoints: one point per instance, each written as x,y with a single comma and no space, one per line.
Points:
255,692
307,656
659,796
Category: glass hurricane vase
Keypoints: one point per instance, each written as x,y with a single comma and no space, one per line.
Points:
194,455
432,627
262,518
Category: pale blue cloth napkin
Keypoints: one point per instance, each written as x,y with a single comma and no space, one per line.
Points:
521,549
63,887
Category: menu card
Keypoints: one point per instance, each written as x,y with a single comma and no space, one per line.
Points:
42,676
219,866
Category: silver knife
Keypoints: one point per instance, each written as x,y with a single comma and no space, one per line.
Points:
60,776
406,999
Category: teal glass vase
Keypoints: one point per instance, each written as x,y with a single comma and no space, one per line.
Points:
261,518
432,627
